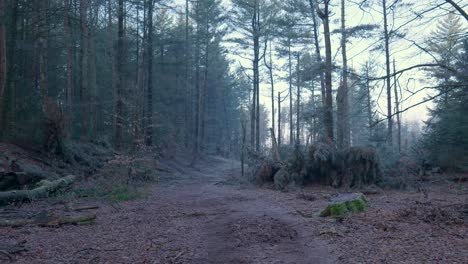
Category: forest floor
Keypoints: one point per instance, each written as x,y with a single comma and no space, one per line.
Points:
209,214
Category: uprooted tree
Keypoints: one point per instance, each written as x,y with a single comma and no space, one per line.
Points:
322,163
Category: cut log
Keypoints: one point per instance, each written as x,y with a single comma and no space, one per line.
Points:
40,192
345,204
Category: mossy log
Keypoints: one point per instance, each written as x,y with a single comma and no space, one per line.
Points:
345,204
39,192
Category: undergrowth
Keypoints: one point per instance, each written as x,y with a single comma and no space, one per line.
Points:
117,193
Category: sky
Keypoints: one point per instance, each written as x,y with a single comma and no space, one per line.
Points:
403,51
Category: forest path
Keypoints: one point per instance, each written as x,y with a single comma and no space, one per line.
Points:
220,220
203,216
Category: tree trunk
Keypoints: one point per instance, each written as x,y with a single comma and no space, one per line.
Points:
343,133
397,107
205,84
298,127
196,148
274,147
312,4
387,64
279,119
120,78
256,41
291,125
243,147
149,76
69,67
42,45
369,106
92,75
314,116
111,52
188,91
9,96
270,72
328,72
84,69
3,64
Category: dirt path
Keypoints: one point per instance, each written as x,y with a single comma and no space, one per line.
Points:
200,218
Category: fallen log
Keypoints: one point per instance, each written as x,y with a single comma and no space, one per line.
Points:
39,192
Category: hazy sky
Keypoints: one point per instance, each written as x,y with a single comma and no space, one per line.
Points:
404,51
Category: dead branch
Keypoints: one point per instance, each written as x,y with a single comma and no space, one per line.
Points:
458,8
425,65
84,208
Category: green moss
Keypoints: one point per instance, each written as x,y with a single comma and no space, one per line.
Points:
339,209
115,193
124,193
357,205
